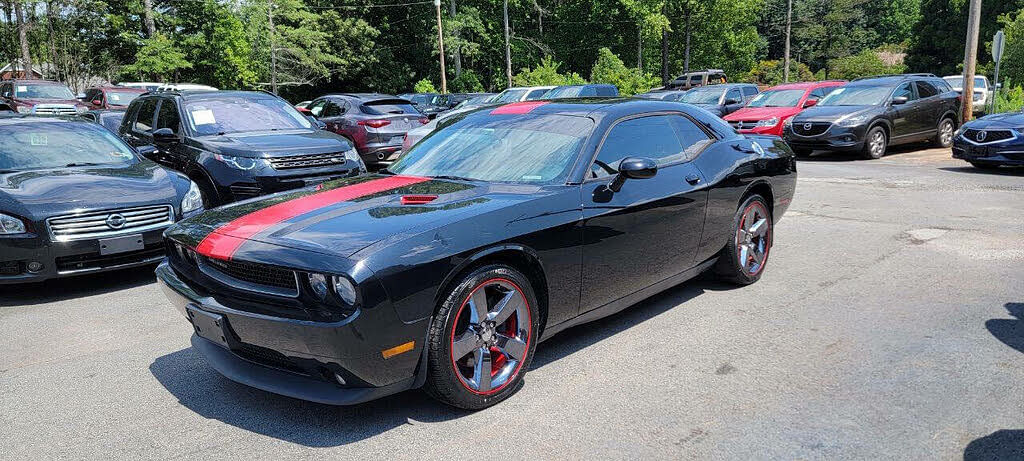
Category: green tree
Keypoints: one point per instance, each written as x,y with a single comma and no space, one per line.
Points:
424,86
467,82
215,42
610,69
546,73
158,59
863,64
937,41
770,72
1012,66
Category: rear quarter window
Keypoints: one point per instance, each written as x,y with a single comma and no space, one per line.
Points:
387,107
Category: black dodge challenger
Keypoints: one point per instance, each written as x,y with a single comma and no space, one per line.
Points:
498,230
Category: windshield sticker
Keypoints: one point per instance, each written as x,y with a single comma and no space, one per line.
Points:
38,139
114,97
22,88
203,116
123,155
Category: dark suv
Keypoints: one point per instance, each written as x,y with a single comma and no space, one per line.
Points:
870,114
237,144
374,123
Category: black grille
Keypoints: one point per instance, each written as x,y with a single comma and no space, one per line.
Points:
308,161
810,129
268,357
259,274
989,135
95,261
10,267
241,192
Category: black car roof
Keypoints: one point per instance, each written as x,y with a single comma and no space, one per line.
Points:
888,79
596,108
366,96
210,94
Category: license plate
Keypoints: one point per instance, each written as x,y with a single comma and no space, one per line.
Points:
397,140
123,244
213,327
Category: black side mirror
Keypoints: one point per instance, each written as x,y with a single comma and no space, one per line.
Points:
730,102
899,100
164,136
149,151
633,168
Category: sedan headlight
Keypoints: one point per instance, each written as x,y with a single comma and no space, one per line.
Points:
978,96
352,155
769,122
24,110
81,109
9,225
239,163
193,199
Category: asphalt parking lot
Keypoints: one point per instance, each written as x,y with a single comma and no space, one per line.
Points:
889,324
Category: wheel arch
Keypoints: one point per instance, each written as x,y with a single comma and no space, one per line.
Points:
950,115
886,126
518,256
763,188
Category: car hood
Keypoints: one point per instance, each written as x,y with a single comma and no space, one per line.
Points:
341,217
1004,120
39,194
71,102
762,113
273,144
832,113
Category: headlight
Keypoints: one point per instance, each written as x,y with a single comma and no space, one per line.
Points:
770,122
318,282
853,121
193,199
788,123
978,96
24,110
345,290
9,225
240,163
353,156
81,109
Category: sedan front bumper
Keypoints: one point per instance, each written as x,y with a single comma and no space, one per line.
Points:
998,154
64,259
337,363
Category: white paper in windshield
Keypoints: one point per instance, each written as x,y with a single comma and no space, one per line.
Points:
203,116
22,89
114,97
38,139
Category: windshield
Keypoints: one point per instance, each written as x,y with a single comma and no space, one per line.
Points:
423,98
510,95
777,98
37,145
46,91
958,82
563,92
237,115
856,96
702,96
119,98
518,149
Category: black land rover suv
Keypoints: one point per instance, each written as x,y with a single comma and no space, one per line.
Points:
237,144
870,114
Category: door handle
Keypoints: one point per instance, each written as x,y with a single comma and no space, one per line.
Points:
693,179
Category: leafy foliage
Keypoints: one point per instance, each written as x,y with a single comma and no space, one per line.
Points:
467,82
546,73
610,69
771,72
1012,66
424,86
863,64
158,59
1010,99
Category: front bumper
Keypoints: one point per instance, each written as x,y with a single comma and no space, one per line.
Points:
836,138
63,259
301,358
996,154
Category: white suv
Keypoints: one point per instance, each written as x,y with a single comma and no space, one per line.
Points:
982,90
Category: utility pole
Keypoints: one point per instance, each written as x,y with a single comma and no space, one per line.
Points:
686,55
789,24
970,61
457,53
508,49
273,50
440,46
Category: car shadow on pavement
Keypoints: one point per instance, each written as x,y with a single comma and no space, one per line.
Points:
569,341
1000,445
830,156
201,389
1002,171
62,289
1009,331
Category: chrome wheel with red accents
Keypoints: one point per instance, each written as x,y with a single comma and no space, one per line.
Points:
745,256
482,338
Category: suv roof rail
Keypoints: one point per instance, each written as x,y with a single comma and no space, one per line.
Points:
920,74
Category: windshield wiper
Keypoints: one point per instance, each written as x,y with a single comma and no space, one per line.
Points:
69,165
455,178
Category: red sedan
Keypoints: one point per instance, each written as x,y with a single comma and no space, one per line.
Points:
766,113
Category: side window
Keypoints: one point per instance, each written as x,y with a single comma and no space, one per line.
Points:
695,79
691,137
316,107
941,85
5,90
749,91
144,121
605,91
588,91
818,93
652,137
535,94
331,109
925,89
168,116
905,91
734,94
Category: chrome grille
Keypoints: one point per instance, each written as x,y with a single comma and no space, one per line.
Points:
259,278
54,109
99,224
307,161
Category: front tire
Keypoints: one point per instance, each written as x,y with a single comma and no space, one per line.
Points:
483,338
875,144
744,258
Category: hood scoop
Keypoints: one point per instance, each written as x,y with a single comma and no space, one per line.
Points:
417,199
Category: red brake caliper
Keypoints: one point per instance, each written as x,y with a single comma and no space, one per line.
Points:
498,359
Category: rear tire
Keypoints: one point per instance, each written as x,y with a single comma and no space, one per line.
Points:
499,341
744,258
944,136
875,144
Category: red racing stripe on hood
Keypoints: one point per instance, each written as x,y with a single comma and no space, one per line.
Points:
225,240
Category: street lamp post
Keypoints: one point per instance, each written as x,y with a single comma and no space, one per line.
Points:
440,46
